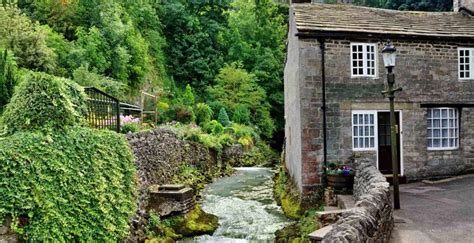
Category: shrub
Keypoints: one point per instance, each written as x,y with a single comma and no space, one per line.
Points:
40,102
184,113
214,127
130,127
223,118
244,131
188,96
203,113
8,78
73,186
241,115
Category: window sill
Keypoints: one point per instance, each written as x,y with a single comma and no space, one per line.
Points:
442,149
365,150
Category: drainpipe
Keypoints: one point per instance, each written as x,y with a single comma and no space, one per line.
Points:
322,46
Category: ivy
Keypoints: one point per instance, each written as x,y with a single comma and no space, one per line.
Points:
76,185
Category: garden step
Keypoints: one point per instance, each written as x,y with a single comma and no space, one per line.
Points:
318,235
330,208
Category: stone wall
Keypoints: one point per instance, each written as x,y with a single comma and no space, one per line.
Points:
372,218
293,153
6,234
428,73
158,154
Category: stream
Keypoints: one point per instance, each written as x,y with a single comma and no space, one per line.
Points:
245,206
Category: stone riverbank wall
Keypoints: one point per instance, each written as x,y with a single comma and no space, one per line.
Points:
372,218
158,154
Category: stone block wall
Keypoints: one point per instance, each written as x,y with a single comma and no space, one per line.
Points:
428,73
372,218
158,154
6,233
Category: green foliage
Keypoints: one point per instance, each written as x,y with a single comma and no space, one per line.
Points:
87,78
235,87
213,127
8,78
256,37
287,195
40,102
417,5
203,113
130,128
223,118
241,115
73,185
91,49
188,96
192,30
27,40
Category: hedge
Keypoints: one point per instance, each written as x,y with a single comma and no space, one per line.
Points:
43,102
76,185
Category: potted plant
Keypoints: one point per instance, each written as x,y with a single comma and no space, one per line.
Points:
340,176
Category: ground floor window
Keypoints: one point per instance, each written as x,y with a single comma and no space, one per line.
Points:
443,128
363,130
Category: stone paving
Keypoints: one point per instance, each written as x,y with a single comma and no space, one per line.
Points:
442,212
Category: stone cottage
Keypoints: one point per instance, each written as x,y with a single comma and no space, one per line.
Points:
334,76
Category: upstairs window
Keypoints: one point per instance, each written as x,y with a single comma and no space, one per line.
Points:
443,128
363,60
466,63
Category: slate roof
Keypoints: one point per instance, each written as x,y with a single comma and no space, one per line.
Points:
318,18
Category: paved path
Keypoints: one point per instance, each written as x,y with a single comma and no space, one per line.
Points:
441,212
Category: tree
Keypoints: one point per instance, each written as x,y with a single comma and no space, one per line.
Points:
235,86
188,96
223,118
8,78
192,30
256,37
26,40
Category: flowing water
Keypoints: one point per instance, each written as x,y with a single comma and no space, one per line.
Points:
245,207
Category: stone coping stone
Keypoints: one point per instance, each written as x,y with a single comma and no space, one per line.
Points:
319,234
182,194
345,201
337,211
171,187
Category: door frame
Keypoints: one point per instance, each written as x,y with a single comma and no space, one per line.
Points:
376,122
400,130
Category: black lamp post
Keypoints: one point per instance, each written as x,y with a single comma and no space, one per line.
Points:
389,59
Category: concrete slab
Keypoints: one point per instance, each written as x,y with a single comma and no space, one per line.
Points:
442,212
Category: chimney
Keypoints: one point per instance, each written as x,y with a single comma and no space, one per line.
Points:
466,6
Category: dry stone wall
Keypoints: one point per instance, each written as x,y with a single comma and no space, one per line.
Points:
372,218
6,233
158,154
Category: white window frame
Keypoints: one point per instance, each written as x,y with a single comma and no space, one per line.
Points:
375,135
365,67
454,128
471,63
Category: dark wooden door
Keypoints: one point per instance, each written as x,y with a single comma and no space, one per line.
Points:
385,145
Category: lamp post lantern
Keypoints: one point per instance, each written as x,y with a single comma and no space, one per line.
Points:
389,59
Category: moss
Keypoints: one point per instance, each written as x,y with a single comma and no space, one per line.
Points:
287,195
298,232
197,222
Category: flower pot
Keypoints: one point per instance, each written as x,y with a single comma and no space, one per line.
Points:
339,182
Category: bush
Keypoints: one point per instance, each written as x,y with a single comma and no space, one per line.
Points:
184,114
188,96
213,127
130,127
40,102
8,78
241,115
73,186
223,118
203,113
